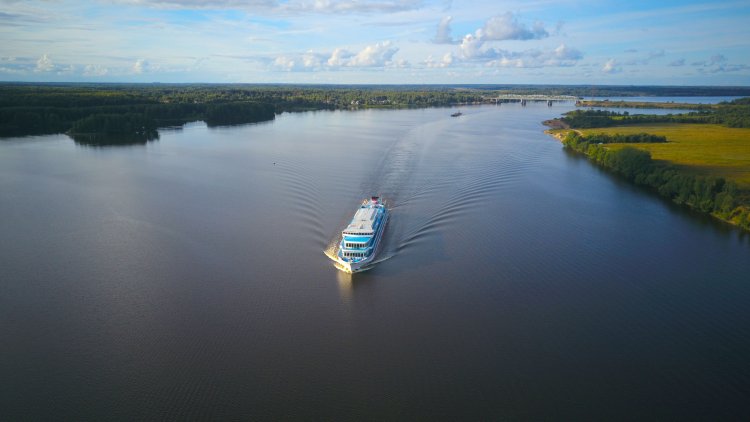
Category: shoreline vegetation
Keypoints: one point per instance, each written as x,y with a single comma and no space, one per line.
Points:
113,114
644,104
698,160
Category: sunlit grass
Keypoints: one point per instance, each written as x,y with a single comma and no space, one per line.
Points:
699,148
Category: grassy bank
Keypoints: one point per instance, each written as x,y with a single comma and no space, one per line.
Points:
701,149
710,189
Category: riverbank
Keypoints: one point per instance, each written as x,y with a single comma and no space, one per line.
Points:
644,104
688,169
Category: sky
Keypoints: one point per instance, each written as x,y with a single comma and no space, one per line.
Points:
616,42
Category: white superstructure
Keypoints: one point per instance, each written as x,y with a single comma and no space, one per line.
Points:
360,239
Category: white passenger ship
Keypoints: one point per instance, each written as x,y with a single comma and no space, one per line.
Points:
360,239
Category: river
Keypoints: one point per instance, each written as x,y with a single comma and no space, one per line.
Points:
187,279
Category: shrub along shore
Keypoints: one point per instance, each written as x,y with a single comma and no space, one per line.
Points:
716,196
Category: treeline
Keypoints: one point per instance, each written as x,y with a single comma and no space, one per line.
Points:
585,119
732,114
27,109
711,195
115,124
114,129
35,109
40,120
620,138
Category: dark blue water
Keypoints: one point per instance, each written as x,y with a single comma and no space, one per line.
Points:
186,279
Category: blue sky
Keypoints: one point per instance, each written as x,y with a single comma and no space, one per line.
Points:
378,41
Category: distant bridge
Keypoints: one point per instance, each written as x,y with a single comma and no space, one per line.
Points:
534,97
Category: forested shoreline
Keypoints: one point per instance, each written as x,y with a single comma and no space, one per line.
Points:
109,111
734,113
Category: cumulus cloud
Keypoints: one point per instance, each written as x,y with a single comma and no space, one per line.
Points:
66,70
285,63
471,49
611,67
306,62
443,34
95,70
471,46
140,66
44,64
310,60
507,27
339,57
445,61
561,56
376,55
498,28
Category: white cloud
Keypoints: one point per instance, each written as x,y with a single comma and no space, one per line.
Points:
445,61
140,66
611,66
507,27
565,53
95,70
559,57
285,63
339,57
310,60
44,64
377,55
443,34
498,28
67,70
471,45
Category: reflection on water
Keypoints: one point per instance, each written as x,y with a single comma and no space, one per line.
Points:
101,139
345,281
186,279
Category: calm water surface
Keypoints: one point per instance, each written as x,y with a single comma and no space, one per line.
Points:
186,279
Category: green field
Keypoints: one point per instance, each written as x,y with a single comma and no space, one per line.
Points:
703,149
